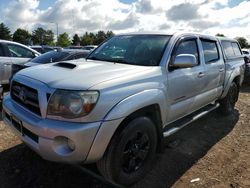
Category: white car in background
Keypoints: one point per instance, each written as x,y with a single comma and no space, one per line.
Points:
10,53
246,53
89,47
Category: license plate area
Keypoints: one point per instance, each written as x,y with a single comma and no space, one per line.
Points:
19,126
16,123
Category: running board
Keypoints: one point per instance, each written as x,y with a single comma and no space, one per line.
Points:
179,124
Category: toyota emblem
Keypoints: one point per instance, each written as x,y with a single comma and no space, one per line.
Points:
22,94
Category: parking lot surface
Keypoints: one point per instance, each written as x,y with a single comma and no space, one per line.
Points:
211,152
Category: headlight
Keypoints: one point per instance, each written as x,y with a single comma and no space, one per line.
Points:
72,104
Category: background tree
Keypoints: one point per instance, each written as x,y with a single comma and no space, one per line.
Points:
87,39
22,36
220,35
100,37
5,32
63,40
109,34
243,42
42,36
76,40
49,38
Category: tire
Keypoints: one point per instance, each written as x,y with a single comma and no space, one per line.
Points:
130,152
227,104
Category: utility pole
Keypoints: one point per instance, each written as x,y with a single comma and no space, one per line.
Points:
57,32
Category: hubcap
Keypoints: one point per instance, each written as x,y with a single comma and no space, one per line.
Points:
135,152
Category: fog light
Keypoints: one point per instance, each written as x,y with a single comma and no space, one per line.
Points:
63,145
71,145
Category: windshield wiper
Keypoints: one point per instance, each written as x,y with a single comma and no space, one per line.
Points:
122,61
111,60
94,58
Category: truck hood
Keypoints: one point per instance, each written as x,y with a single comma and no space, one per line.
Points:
81,74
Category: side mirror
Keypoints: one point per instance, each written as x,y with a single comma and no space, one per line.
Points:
185,61
35,55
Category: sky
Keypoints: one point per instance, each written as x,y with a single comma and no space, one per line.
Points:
230,17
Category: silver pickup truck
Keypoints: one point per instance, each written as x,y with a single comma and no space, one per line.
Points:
116,107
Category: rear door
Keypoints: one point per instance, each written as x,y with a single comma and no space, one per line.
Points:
184,84
5,64
214,69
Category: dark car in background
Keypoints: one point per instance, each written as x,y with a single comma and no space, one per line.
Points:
42,49
246,54
50,57
87,47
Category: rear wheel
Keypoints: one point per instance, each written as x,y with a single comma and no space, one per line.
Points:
130,152
228,103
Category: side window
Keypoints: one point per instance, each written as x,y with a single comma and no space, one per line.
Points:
236,49
19,51
188,47
228,49
210,50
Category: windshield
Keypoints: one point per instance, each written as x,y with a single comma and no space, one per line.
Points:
145,50
52,56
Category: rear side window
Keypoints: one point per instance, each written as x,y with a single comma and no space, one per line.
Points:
231,49
236,49
210,50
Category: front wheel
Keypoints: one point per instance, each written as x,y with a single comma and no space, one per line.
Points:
130,152
227,104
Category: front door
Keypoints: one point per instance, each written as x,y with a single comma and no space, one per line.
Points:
184,84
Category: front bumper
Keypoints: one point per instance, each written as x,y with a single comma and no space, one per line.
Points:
53,140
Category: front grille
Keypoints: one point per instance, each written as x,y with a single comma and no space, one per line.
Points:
25,96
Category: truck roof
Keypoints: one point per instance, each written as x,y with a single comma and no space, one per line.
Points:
178,33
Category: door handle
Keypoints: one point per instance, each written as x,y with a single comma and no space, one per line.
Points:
200,75
221,70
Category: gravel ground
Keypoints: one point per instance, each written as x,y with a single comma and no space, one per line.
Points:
213,152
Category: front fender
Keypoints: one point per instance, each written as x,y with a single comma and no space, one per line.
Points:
118,113
137,101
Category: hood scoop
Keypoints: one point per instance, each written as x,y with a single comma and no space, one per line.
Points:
66,65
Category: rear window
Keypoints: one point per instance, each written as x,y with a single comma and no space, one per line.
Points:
210,49
52,56
231,49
